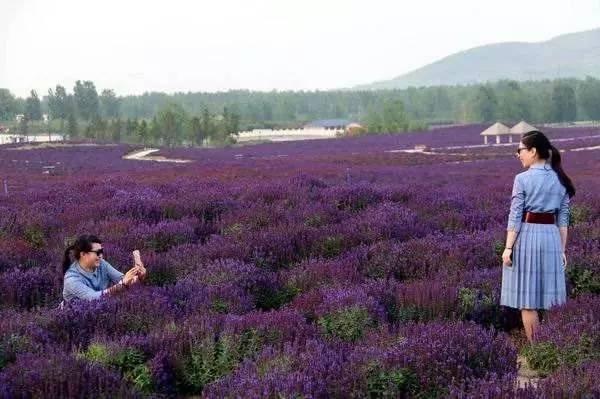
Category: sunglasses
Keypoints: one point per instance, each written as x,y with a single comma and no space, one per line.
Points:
520,149
98,252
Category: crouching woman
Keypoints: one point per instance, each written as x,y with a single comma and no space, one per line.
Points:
88,276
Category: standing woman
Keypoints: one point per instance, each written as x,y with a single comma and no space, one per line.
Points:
534,261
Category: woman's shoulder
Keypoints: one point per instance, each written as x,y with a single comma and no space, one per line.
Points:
72,271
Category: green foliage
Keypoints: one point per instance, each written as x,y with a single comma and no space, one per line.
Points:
220,306
391,383
170,122
127,360
583,280
543,357
233,230
267,298
499,247
141,377
390,118
162,242
60,105
578,214
209,359
563,102
406,313
332,246
467,298
314,221
10,346
33,107
589,97
546,357
97,353
161,277
348,324
485,104
9,106
110,103
35,236
86,99
72,126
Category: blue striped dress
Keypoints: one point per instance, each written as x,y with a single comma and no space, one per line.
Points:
536,279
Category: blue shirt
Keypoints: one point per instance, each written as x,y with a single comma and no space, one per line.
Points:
538,190
79,283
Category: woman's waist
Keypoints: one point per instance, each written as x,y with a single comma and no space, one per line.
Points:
539,217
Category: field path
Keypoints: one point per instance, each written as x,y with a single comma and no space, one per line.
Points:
143,155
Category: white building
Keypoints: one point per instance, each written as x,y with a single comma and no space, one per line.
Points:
21,138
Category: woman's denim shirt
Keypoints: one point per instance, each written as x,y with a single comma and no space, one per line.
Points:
79,283
538,190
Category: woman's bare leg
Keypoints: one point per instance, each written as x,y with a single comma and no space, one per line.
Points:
531,321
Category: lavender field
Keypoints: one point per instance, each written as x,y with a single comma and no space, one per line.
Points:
318,269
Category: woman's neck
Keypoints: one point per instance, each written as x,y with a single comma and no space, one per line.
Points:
540,162
89,269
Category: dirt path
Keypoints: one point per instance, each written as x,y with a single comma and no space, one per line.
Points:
143,155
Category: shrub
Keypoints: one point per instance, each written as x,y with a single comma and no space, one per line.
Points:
347,324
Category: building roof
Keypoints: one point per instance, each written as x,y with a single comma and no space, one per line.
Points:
354,125
496,129
329,123
522,127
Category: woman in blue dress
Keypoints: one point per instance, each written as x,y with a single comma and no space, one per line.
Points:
534,261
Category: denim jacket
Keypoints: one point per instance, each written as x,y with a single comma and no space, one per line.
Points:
538,190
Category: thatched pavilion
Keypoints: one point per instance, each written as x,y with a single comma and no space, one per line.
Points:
498,130
522,128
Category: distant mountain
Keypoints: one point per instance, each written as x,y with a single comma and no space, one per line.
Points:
572,55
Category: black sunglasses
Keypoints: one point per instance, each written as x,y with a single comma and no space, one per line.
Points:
98,251
520,149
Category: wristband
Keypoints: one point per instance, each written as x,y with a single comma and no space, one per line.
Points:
510,249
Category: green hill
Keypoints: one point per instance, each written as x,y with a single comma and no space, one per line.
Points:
573,55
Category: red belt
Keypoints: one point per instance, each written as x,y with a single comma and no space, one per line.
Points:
539,218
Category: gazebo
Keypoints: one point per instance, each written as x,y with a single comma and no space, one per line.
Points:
522,128
497,129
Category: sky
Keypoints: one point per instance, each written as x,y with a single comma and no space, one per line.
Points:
134,46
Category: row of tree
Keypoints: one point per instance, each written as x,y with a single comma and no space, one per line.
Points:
386,110
171,126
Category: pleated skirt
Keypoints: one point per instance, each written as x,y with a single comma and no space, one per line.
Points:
536,279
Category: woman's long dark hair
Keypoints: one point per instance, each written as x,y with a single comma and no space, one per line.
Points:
73,252
539,141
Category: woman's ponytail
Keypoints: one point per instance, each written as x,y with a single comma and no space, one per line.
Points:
555,162
67,260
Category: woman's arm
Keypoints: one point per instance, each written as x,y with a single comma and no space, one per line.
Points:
515,219
564,231
113,274
563,224
511,237
517,204
128,279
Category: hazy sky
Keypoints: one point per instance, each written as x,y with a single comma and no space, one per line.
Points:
135,46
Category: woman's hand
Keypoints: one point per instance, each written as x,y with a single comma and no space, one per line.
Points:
131,277
141,270
564,260
506,257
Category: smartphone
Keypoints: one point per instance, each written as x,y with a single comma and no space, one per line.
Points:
137,259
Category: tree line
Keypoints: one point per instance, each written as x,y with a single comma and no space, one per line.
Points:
198,117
